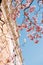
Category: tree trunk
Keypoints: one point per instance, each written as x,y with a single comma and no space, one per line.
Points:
10,52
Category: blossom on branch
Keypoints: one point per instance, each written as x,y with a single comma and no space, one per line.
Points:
28,24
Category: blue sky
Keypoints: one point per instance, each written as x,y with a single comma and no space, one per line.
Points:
32,53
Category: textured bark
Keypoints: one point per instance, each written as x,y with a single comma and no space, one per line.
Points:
10,52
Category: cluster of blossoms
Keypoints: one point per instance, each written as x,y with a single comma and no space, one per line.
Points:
34,30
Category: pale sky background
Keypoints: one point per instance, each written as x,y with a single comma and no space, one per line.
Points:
32,53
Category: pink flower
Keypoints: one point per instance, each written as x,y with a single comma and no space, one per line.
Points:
28,2
25,13
32,8
31,37
36,41
38,28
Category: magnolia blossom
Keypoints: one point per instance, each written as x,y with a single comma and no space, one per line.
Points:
32,8
30,25
28,2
